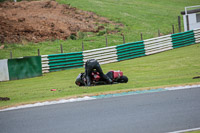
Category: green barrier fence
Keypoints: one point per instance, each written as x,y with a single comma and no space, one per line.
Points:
26,67
57,62
130,50
183,39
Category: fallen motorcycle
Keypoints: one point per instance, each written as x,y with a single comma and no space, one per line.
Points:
115,76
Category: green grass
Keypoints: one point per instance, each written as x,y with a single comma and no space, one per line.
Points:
146,16
170,68
194,131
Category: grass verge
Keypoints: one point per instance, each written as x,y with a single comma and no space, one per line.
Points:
170,68
146,16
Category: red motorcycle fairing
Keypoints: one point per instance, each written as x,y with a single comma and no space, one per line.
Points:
117,74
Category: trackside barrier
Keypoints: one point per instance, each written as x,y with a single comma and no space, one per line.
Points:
103,55
197,35
158,44
183,39
20,68
57,62
130,50
23,68
121,52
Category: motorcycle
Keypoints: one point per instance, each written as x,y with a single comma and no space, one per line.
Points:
115,76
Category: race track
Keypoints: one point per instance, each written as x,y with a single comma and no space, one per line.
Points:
157,112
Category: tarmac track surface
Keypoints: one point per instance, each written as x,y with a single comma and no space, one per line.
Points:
158,112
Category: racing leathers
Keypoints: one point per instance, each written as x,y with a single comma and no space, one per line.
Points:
90,66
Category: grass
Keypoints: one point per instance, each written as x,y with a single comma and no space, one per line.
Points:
194,131
146,16
169,68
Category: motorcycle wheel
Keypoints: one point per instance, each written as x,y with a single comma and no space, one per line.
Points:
122,79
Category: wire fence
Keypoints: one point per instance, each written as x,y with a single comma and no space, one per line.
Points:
121,39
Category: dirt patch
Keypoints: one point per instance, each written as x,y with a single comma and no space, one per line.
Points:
38,21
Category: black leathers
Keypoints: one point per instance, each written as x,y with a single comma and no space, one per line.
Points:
90,66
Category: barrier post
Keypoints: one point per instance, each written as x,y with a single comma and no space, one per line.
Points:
82,46
172,29
10,54
38,52
179,23
187,20
158,32
61,48
123,38
106,41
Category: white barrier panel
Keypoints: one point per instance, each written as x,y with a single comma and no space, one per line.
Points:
99,49
103,55
100,55
158,51
156,39
158,44
45,62
4,74
197,35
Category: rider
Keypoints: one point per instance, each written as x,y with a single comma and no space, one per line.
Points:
84,79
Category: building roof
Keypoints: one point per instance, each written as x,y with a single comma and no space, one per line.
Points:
190,11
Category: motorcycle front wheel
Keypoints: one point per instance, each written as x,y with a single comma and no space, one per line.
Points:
122,79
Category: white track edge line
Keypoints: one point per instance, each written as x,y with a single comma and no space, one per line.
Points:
186,130
83,99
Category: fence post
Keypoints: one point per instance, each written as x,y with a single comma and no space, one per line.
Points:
179,23
106,41
187,20
61,48
38,52
141,36
123,38
82,46
11,55
158,32
172,29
